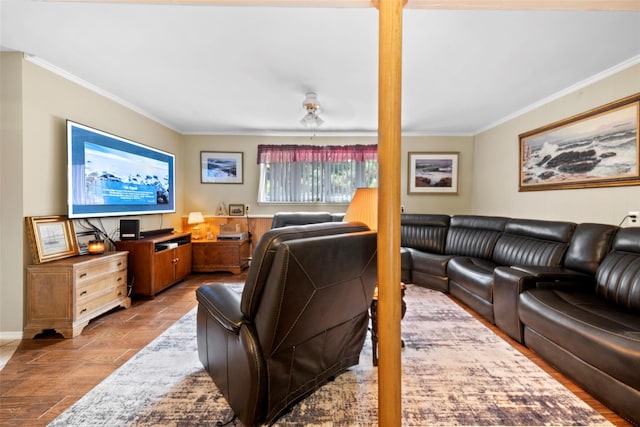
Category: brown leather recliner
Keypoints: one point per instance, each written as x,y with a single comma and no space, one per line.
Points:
301,319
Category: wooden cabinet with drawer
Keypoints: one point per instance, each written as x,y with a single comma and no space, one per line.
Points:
65,295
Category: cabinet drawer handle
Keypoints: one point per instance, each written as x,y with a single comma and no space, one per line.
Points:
120,293
83,293
83,275
120,263
119,279
83,310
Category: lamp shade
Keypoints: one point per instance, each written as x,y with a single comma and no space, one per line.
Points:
364,207
195,218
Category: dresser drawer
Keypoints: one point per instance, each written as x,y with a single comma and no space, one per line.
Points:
90,288
90,272
88,306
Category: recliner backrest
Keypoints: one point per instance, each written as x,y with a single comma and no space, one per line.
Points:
474,236
425,232
266,248
618,276
313,315
589,245
531,242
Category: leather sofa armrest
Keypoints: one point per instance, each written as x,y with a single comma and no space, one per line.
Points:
508,284
556,277
223,304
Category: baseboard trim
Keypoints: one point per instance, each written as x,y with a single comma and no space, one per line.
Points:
10,335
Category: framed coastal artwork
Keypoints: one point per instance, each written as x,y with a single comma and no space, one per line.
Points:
598,148
433,173
51,238
221,167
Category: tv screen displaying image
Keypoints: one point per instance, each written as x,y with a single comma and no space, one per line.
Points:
113,176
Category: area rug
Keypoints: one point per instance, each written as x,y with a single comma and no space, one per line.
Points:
455,371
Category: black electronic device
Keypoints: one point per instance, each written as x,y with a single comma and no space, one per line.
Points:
129,229
159,231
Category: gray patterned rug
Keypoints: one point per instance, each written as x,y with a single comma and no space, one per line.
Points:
455,372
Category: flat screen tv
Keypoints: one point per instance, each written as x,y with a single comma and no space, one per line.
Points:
113,176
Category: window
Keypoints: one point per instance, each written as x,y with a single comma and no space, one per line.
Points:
315,174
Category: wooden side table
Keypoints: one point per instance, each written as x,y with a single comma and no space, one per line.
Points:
374,320
220,255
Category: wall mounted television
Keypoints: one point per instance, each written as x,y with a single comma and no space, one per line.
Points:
113,176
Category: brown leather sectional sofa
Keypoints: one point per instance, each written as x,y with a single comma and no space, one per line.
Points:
571,292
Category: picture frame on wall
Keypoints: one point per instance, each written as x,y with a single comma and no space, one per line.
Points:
433,173
221,167
598,148
51,238
236,210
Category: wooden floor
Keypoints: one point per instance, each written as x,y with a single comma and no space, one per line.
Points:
48,374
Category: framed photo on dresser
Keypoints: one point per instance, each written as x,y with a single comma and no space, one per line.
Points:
51,238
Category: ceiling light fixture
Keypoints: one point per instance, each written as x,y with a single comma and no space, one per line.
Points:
310,104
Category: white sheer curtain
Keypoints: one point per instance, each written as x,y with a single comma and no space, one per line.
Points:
315,174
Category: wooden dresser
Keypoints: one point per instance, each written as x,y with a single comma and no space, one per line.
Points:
220,255
65,295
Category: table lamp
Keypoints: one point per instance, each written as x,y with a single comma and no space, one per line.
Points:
364,207
195,218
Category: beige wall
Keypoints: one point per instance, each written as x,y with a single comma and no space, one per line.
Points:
205,197
35,153
11,191
496,171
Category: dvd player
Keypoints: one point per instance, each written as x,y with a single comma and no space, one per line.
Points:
234,236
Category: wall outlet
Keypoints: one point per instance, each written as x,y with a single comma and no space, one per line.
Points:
246,208
633,216
401,208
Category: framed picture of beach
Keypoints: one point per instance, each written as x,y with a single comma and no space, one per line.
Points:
433,173
598,148
221,167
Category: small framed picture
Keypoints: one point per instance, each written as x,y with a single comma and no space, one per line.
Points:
220,167
433,173
236,210
51,238
83,238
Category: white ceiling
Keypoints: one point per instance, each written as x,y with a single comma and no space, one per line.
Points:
245,70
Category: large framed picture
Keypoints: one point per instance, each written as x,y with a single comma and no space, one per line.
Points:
433,173
598,148
221,167
51,238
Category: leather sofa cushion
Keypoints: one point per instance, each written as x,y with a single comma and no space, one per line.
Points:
425,262
598,332
590,243
618,277
474,236
533,243
424,232
473,274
